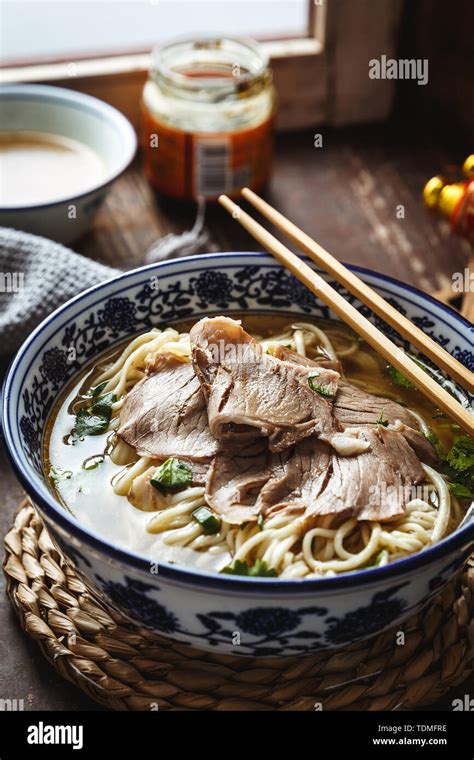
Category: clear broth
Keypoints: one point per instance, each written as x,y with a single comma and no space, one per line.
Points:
90,497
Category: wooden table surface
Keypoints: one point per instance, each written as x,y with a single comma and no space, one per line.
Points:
349,195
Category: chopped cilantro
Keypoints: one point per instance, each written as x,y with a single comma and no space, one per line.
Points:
94,420
321,389
93,462
377,559
398,378
57,473
259,569
457,465
208,521
461,456
461,491
96,390
173,475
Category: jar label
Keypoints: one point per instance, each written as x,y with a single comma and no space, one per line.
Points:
186,165
212,166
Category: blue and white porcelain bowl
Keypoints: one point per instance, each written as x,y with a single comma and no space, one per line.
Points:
272,617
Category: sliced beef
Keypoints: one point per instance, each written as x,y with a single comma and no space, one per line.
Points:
165,415
247,389
262,440
236,477
297,482
320,360
354,408
311,479
244,483
376,484
420,444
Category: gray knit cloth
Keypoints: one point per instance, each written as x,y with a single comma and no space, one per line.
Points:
36,276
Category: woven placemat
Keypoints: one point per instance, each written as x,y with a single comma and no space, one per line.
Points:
124,667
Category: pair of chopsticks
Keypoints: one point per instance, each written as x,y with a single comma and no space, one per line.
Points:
349,314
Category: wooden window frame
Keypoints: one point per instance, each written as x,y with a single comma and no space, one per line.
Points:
320,79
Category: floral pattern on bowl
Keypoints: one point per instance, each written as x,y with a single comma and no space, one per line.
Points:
248,616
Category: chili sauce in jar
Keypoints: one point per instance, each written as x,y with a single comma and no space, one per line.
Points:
207,115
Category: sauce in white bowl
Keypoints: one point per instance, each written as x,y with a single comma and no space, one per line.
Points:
61,151
39,167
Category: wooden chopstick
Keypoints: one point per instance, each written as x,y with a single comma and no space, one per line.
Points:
467,309
349,314
364,293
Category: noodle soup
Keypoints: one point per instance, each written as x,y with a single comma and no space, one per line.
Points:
173,508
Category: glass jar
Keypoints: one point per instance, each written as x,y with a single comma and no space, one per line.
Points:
208,109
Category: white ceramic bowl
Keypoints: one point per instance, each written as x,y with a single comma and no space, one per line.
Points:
72,114
205,609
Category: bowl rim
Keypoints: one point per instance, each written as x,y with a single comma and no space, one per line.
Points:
196,577
84,102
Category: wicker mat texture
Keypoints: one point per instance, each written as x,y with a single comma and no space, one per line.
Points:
124,667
